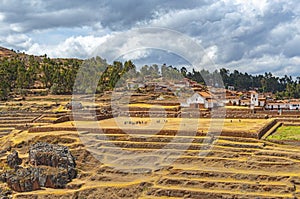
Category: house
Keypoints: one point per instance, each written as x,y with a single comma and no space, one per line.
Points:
196,100
262,102
232,101
294,105
202,100
231,98
245,102
277,105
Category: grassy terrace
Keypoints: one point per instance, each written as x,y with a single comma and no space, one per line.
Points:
202,125
235,167
151,106
286,133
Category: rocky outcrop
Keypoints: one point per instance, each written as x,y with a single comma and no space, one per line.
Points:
52,166
13,160
33,178
54,156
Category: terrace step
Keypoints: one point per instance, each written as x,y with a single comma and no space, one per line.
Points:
21,121
177,191
272,130
15,118
212,184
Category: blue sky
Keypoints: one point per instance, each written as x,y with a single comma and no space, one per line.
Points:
254,36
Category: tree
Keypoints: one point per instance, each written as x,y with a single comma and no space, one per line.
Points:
183,71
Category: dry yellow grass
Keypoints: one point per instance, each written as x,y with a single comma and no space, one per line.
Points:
202,124
237,107
151,106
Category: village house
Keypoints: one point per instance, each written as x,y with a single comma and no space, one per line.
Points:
294,105
202,100
232,101
232,98
262,102
245,102
277,105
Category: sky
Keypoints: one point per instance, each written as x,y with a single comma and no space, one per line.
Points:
254,36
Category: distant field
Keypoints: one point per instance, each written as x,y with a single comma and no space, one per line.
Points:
286,133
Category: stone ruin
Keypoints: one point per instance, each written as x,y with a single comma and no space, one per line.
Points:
51,166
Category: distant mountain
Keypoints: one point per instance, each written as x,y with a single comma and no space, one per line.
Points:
4,52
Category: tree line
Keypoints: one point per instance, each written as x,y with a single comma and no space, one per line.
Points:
22,72
283,87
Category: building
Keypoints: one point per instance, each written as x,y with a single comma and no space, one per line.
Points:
202,100
262,102
277,105
254,98
232,101
245,102
294,105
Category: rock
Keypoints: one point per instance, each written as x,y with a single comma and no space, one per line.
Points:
13,160
33,178
24,179
53,166
54,156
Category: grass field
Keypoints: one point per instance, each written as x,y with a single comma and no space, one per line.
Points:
286,133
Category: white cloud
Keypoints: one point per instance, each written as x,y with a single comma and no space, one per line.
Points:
80,47
2,16
136,54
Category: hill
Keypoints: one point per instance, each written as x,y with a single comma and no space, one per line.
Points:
4,52
23,74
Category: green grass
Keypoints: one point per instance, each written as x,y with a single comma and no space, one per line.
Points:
286,133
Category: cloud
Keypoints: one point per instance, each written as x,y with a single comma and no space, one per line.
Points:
115,14
254,35
79,47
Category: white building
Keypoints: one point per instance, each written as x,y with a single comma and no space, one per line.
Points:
245,102
233,100
261,102
294,105
202,99
277,105
254,98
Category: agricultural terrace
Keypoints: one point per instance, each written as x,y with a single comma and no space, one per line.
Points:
286,133
119,124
